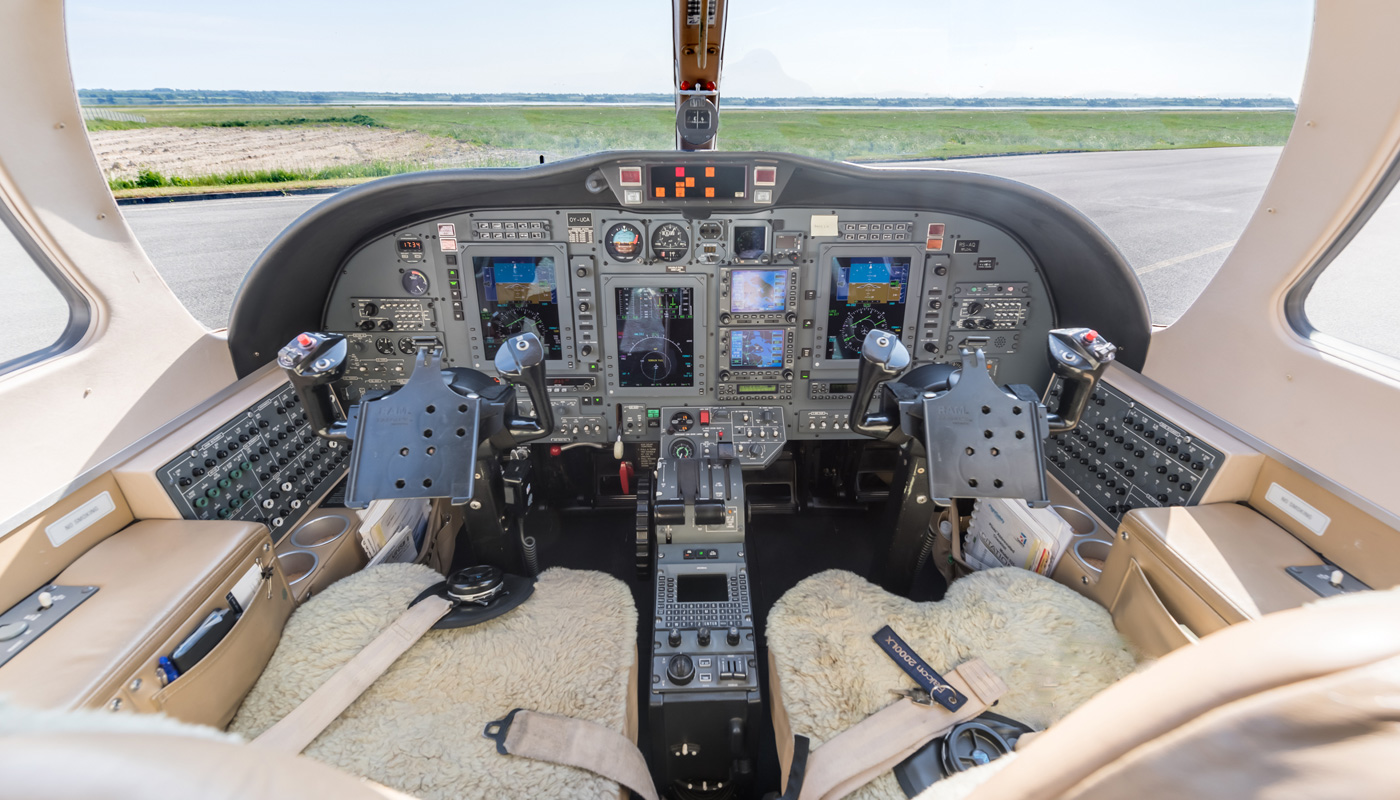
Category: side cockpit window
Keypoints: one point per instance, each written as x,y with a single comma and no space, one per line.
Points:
47,315
1347,302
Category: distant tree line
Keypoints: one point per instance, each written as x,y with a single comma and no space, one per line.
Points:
202,97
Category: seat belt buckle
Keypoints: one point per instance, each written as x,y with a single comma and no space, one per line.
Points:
497,729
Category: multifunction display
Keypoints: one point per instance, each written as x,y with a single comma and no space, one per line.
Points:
697,182
758,290
656,336
518,294
867,292
760,348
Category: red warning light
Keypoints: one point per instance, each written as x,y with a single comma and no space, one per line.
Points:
709,86
685,86
680,172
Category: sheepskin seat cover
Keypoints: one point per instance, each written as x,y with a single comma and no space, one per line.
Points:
568,650
1054,648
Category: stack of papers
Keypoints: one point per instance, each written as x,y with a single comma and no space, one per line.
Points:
391,531
1009,533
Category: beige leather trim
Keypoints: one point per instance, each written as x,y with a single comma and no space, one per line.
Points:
154,578
1189,683
1230,555
1139,614
1331,736
134,765
1354,540
1183,602
782,727
28,559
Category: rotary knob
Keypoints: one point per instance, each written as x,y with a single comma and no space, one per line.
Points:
732,637
703,637
680,670
674,637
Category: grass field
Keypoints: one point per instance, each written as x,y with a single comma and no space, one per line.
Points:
562,132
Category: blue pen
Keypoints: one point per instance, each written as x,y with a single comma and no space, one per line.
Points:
167,669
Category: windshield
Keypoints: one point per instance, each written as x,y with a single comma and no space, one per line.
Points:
1163,133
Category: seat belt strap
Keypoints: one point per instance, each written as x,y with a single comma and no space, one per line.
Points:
873,746
299,728
574,743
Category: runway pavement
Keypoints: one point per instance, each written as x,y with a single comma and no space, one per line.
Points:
1174,214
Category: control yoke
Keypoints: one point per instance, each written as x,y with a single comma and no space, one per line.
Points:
981,439
421,439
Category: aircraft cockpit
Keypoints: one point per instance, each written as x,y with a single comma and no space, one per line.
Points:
701,474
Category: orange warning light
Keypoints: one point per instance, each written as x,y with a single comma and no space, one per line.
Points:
661,191
709,191
709,172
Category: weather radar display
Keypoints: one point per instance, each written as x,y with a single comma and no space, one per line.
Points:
518,294
867,292
758,290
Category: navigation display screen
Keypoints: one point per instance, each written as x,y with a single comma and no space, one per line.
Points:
697,183
518,294
758,290
655,336
867,292
702,589
757,349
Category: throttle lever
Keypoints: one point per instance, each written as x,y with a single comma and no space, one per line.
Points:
882,357
521,359
314,361
1078,356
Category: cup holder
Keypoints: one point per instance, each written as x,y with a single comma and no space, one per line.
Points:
297,565
1092,553
320,531
1082,524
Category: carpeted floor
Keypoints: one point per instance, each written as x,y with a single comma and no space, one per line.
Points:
568,650
1054,648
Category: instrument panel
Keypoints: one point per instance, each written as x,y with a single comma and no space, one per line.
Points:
663,305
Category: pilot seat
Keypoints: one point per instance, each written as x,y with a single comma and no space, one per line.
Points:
569,649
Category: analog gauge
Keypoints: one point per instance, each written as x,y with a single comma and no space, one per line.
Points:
385,345
415,283
860,322
669,242
623,242
682,449
407,347
681,421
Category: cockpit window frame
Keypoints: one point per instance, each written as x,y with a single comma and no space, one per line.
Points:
80,316
1296,298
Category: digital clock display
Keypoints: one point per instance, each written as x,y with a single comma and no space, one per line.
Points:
698,182
410,246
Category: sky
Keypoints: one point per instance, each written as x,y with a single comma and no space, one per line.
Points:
905,48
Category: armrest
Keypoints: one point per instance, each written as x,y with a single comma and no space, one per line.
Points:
156,580
1228,554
